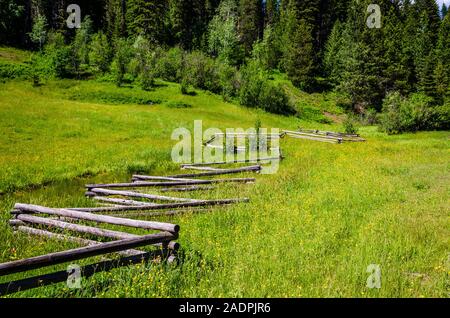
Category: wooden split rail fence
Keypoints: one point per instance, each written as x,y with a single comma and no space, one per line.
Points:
324,136
120,202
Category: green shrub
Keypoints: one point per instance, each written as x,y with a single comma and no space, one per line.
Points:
173,104
350,125
13,70
100,54
200,71
121,61
228,79
251,84
114,98
184,87
169,64
274,100
257,91
412,114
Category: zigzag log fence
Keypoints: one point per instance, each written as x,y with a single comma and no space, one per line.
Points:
122,203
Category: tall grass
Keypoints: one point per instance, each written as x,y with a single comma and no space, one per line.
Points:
310,230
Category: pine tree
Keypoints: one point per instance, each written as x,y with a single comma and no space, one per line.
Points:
188,21
115,11
271,12
251,23
81,45
99,53
299,60
223,40
444,10
147,18
396,62
333,58
425,41
362,60
442,70
11,14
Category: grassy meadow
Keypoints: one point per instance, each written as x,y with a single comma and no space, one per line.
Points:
311,230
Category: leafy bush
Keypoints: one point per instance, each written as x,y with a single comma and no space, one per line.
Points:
173,104
350,125
228,77
114,98
274,100
412,114
169,64
184,87
100,54
13,70
121,60
252,81
257,91
200,71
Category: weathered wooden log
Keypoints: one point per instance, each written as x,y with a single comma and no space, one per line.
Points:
298,133
132,194
167,184
203,168
225,171
246,134
235,149
174,246
82,252
86,272
74,227
333,141
149,225
137,177
232,162
187,189
157,214
217,172
79,240
119,201
21,226
331,133
161,206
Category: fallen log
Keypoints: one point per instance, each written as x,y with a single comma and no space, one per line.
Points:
167,184
149,225
82,252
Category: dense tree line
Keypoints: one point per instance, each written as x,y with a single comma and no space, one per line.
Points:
235,44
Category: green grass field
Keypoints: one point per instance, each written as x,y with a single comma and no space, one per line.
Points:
311,230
